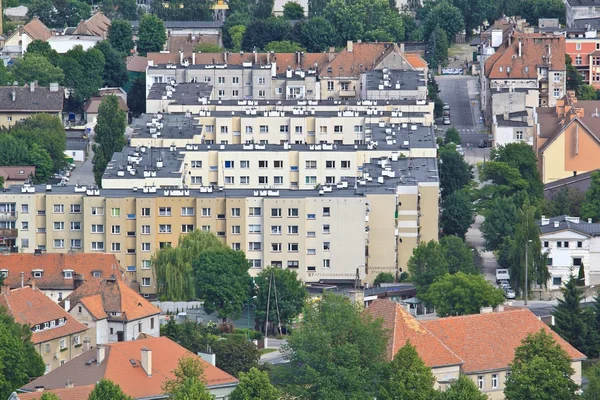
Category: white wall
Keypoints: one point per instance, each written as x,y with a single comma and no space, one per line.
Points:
76,155
562,257
131,329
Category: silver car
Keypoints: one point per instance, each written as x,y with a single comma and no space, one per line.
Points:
446,120
510,294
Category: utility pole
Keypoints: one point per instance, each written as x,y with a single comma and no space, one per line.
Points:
527,270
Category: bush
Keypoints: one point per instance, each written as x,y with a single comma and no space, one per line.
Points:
250,333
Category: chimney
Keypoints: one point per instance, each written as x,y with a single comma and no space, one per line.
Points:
350,46
22,274
520,47
506,116
556,224
402,48
193,56
255,57
486,310
68,383
180,56
298,59
147,360
32,87
268,58
67,305
589,220
14,95
331,54
100,354
225,54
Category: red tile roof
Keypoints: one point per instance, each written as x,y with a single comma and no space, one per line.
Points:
31,307
116,297
37,30
94,305
137,63
363,57
74,393
131,378
403,326
487,341
53,266
97,25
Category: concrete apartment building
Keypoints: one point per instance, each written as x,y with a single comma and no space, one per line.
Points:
581,11
56,335
583,45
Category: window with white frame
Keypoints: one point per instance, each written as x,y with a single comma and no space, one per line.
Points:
244,180
275,229
206,211
276,247
254,211
254,228
556,92
59,209
97,210
75,208
293,247
196,164
187,211
254,246
146,264
115,212
326,263
293,212
164,211
236,229
59,243
146,282
245,164
255,263
480,382
115,229
292,229
145,246
75,226
98,246
235,212
519,135
494,381
116,247
59,226
224,129
236,246
75,243
97,228
164,228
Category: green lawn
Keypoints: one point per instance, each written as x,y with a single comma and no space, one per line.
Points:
266,351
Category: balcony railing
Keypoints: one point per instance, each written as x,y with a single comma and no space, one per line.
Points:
9,215
9,233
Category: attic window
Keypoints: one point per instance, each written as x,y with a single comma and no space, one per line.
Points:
68,274
96,274
37,274
329,69
526,69
507,69
4,273
500,69
61,321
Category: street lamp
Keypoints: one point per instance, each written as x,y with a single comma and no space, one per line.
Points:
526,270
249,306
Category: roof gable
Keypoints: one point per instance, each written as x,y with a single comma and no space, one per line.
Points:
37,30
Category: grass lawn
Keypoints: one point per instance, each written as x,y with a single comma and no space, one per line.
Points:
266,351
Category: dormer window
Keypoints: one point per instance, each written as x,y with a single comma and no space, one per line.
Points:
68,273
61,321
37,273
500,69
46,325
36,328
96,274
52,324
4,273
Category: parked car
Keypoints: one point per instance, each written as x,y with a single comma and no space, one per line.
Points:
446,106
502,275
510,294
505,284
447,114
460,150
482,144
446,120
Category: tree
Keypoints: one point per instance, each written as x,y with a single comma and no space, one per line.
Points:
447,17
283,46
110,134
173,265
260,32
337,352
42,48
293,11
183,10
581,275
437,48
194,336
115,71
120,10
47,131
235,355
426,265
462,294
407,377
84,72
189,381
208,48
591,206
462,389
384,277
499,222
136,98
452,136
237,35
521,156
316,8
533,10
592,390
222,281
586,92
20,361
151,35
287,302
457,214
458,256
540,370
106,389
6,77
254,385
455,172
59,13
574,78
572,323
35,67
565,201
120,36
17,152
49,396
316,35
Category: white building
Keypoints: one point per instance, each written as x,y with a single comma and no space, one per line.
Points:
570,243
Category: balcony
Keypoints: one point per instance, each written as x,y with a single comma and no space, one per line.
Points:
347,93
9,215
9,233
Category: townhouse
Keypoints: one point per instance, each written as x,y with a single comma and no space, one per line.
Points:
18,103
56,335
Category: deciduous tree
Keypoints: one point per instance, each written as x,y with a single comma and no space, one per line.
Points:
136,98
437,48
254,385
120,36
115,72
42,48
235,355
564,201
452,136
293,11
591,206
458,255
47,132
208,48
426,265
120,9
455,172
151,34
34,67
499,222
110,134
384,277
106,389
59,13
260,32
49,396
457,214
447,17
189,381
541,370
462,389
317,34
84,72
521,156
283,46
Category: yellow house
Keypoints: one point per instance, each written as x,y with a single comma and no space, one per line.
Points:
17,43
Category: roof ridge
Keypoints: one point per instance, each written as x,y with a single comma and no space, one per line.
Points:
455,317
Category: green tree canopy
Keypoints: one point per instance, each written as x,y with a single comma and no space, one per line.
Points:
49,396
34,67
291,295
59,13
452,136
84,72
315,34
457,214
337,352
235,355
499,222
42,48
407,377
592,390
284,46
564,201
455,172
521,156
293,11
384,277
136,98
586,92
458,255
208,48
120,10
115,71
591,206
437,49
462,294
261,32
254,385
151,35
462,389
447,17
110,134
20,361
316,7
541,370
120,36
17,152
106,389
236,33
189,381
222,281
183,10
574,78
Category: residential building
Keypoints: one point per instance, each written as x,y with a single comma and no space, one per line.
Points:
16,175
56,275
567,138
92,105
186,35
63,43
113,310
580,182
581,10
97,25
77,149
67,393
583,46
570,243
17,43
140,367
512,127
20,102
481,346
56,335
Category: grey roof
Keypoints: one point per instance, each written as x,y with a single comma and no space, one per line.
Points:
583,24
569,223
582,3
185,93
186,24
76,144
503,122
408,80
39,100
579,182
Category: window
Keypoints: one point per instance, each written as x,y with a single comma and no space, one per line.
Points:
254,246
75,243
311,234
311,216
326,229
164,228
206,212
275,229
224,129
345,164
254,229
248,130
164,211
311,252
98,246
326,246
145,281
519,135
115,229
196,164
235,212
63,344
263,164
221,79
47,350
326,211
557,77
187,211
59,226
229,164
236,246
97,210
311,164
566,244
115,212
494,381
549,261
261,81
37,274
556,92
276,212
292,229
145,229
293,212
330,86
310,180
559,244
244,180
579,245
278,164
59,208
255,263
145,212
326,263
75,208
577,46
116,247
187,228
245,164
546,244
293,247
24,208
263,180
578,60
278,180
146,264
298,129
338,129
235,79
330,180
480,382
25,243
577,261
254,212
329,164
97,228
261,93
59,243
276,247
236,229
145,246
293,264
556,280
284,129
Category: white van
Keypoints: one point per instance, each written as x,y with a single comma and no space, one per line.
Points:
502,275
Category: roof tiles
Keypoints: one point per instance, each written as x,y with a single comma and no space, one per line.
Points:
74,393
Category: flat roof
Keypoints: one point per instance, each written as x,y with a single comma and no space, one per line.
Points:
408,80
182,93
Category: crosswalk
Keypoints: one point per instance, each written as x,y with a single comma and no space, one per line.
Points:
467,130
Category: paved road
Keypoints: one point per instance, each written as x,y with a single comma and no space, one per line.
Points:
275,357
83,172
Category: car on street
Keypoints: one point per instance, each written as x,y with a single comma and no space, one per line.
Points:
446,106
510,294
504,284
446,120
447,114
482,144
460,150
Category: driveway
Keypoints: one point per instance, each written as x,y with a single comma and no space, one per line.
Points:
83,173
